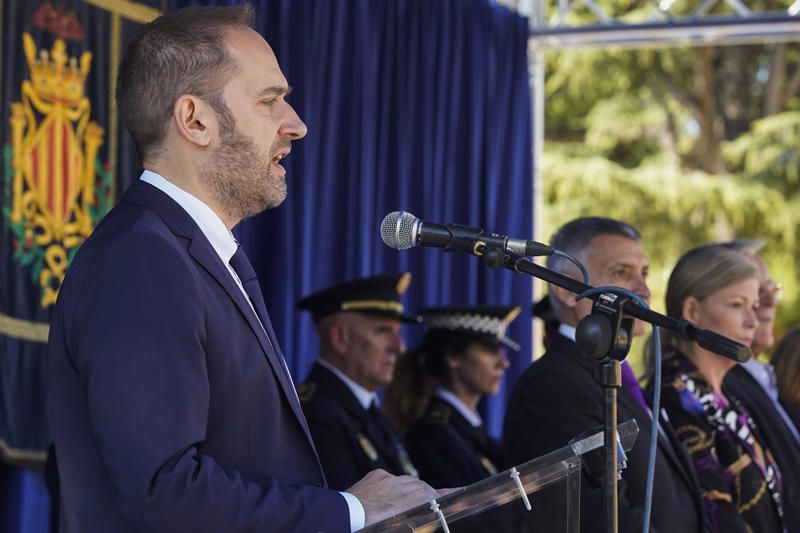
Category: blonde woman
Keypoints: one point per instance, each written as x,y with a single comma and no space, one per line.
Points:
717,289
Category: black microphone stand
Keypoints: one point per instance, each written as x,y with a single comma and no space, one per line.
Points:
606,335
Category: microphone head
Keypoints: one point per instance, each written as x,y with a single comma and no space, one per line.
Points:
399,230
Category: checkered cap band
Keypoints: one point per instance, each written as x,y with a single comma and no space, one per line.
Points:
477,323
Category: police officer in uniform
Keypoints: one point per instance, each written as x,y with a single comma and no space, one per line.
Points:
460,359
358,324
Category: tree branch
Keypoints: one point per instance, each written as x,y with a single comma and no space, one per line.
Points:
793,86
774,94
665,83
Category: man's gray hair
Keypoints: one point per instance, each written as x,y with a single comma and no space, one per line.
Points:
574,238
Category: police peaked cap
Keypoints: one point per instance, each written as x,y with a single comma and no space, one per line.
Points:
375,295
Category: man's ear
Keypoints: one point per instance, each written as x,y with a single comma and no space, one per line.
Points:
192,118
453,361
339,337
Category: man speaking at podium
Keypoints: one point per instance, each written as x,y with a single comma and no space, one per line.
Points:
172,404
560,396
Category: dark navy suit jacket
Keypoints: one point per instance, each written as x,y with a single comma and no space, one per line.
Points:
559,397
171,409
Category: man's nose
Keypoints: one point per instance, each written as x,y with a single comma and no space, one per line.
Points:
642,289
293,127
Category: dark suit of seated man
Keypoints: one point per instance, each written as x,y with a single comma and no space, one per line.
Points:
560,395
172,405
358,326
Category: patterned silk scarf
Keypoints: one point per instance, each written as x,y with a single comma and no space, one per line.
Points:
698,396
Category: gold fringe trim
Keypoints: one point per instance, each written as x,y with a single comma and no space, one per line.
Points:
23,329
113,117
22,457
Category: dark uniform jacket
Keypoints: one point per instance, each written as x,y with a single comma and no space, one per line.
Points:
449,451
351,441
559,397
777,438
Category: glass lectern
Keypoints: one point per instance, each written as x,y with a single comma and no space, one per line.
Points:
542,495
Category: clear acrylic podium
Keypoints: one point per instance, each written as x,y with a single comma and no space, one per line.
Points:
542,495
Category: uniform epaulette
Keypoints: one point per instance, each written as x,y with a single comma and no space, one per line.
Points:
306,391
440,414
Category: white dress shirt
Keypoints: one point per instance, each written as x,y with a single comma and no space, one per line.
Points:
364,397
467,412
764,374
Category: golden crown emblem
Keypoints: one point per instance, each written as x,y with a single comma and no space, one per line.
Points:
55,147
56,77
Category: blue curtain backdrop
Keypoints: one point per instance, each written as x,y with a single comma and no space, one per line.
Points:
413,105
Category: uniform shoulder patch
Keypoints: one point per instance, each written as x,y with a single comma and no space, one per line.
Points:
488,465
440,414
306,391
367,446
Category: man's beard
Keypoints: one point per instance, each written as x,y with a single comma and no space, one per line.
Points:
238,177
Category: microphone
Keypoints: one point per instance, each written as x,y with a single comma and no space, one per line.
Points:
401,230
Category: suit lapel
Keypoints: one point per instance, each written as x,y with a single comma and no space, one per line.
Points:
669,444
179,221
202,252
632,406
680,454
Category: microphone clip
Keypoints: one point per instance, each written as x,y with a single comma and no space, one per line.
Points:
606,333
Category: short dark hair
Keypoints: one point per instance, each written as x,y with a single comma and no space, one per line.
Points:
181,52
574,237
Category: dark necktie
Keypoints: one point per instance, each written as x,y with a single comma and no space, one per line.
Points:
241,265
396,455
379,422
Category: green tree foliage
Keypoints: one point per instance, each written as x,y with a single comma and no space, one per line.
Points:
769,152
706,95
